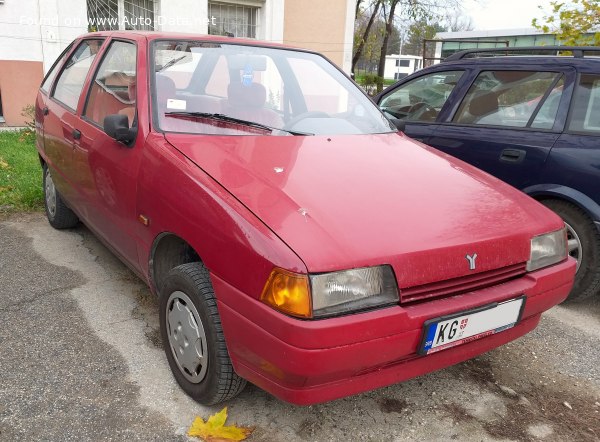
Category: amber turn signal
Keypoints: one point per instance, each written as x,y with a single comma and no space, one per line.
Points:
288,292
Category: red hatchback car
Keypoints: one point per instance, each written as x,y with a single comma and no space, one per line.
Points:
295,238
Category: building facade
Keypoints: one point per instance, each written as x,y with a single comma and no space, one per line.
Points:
33,33
491,39
399,66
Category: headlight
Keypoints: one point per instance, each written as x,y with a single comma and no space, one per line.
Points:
328,294
547,249
352,290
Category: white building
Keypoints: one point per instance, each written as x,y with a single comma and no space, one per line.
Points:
34,32
399,66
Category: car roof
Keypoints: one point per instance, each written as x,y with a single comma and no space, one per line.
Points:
154,35
512,51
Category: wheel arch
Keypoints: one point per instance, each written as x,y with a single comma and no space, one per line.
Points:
541,192
168,251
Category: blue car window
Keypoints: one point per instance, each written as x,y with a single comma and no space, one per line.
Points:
422,98
547,113
505,98
585,114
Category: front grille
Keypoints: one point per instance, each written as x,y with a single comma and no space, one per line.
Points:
462,284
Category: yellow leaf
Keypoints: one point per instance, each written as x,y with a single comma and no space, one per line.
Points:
214,429
3,164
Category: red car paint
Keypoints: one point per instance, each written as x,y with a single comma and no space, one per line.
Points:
308,204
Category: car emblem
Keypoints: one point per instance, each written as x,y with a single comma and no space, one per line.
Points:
471,259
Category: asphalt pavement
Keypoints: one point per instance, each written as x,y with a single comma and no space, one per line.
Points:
81,359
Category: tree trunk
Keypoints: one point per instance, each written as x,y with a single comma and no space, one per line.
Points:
358,2
389,24
363,40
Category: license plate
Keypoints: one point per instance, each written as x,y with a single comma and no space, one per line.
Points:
460,328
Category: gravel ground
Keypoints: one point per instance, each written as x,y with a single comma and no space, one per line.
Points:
81,359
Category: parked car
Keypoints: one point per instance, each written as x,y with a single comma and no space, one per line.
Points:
294,238
532,121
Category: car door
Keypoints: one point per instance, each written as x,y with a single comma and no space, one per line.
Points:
508,121
575,159
421,101
106,170
41,108
60,121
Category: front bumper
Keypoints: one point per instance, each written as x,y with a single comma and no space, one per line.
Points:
306,362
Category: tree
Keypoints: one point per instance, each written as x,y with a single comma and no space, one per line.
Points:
376,29
419,31
455,21
389,23
360,44
570,21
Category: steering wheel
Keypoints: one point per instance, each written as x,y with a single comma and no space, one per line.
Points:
417,110
310,114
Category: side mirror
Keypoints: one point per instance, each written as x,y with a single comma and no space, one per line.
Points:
117,126
400,124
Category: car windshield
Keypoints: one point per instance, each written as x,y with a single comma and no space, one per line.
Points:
231,89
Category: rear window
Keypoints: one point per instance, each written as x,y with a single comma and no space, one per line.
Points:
585,114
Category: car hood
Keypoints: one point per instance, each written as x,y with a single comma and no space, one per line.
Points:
350,201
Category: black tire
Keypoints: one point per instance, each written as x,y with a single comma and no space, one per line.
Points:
58,214
587,279
214,381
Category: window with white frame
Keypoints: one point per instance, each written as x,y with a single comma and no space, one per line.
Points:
232,20
107,15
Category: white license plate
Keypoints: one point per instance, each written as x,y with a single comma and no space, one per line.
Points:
463,327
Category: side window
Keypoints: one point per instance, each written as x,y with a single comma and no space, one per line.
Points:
547,113
113,89
585,114
54,70
423,98
510,98
72,78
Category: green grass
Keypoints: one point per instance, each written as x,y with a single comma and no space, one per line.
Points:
360,79
20,173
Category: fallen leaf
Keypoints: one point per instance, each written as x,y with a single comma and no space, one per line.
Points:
6,189
214,429
3,164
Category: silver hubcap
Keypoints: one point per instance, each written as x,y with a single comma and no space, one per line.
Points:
574,244
186,337
50,193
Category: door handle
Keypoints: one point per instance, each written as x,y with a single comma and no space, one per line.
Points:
45,111
76,134
512,156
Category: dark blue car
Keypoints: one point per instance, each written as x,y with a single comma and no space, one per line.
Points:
530,120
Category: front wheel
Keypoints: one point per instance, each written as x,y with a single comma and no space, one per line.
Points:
584,245
193,336
58,214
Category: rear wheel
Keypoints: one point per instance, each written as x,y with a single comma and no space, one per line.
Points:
193,336
584,246
58,214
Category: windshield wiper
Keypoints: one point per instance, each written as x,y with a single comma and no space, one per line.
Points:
170,63
223,117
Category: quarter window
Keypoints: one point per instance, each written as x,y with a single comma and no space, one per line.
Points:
72,78
585,114
423,98
113,90
512,98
